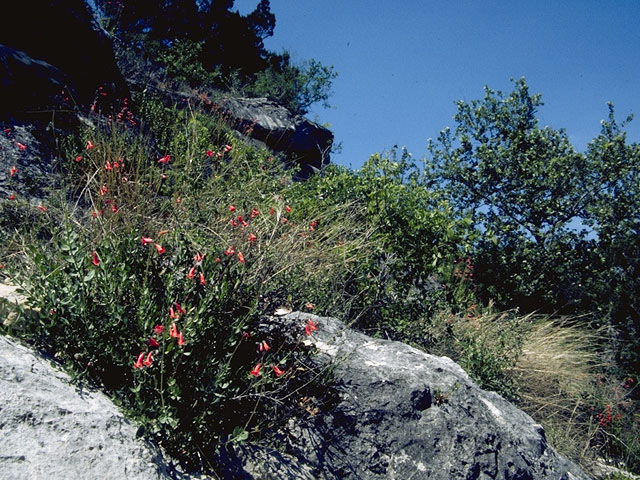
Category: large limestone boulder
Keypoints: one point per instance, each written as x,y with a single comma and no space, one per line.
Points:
299,139
400,413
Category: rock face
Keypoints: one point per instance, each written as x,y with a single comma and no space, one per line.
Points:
401,413
300,139
395,412
50,429
49,42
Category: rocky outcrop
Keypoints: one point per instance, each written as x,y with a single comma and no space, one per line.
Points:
299,139
51,429
394,412
52,42
401,413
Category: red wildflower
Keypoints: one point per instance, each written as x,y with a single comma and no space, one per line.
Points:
246,335
103,190
240,257
78,158
209,153
199,256
173,331
21,146
256,370
284,220
232,208
179,308
13,171
252,238
114,208
12,197
309,306
172,314
264,347
153,343
233,223
160,248
166,159
107,166
217,260
94,258
147,361
255,213
158,329
191,273
313,225
277,370
288,209
271,211
203,282
227,148
181,341
138,363
310,327
42,209
229,251
146,240
90,145
97,213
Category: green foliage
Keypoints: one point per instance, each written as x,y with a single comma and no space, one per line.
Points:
154,284
296,87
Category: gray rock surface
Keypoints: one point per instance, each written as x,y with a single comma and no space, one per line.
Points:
300,139
402,413
50,429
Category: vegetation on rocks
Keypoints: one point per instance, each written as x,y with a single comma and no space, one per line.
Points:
172,240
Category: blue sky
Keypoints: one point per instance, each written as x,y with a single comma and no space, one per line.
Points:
403,64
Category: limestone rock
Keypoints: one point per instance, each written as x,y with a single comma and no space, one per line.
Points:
51,429
402,413
298,138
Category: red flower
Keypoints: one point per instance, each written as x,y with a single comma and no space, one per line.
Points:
90,145
310,327
42,209
138,363
107,166
217,260
173,331
179,309
240,257
158,329
284,220
153,343
12,197
313,225
172,314
271,211
160,248
79,158
203,282
181,341
288,209
21,146
246,335
146,240
94,258
198,257
227,148
252,238
103,190
229,251
192,272
254,213
209,153
309,306
114,208
264,347
13,171
166,159
232,208
277,370
97,213
147,361
256,370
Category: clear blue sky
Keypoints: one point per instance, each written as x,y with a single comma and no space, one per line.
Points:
403,64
